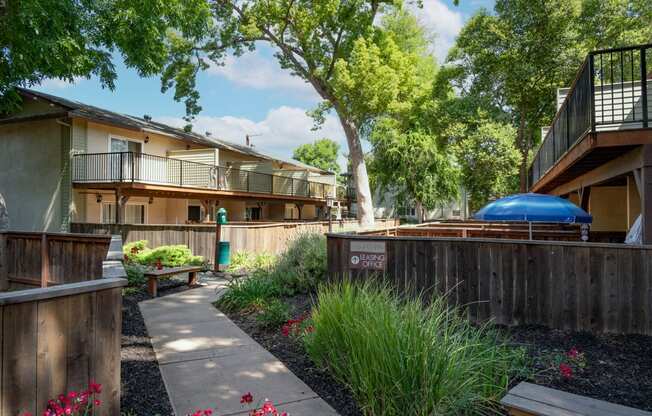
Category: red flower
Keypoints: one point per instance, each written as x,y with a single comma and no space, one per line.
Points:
247,398
566,371
95,387
573,353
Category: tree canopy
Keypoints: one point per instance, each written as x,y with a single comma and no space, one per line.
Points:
320,154
41,39
410,156
515,59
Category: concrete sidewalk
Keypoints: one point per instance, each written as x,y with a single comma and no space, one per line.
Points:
208,362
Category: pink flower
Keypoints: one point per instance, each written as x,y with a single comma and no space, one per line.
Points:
566,371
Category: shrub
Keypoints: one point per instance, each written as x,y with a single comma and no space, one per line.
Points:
169,256
135,274
303,265
249,294
245,262
273,314
400,357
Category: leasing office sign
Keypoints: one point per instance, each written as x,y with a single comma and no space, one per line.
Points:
367,255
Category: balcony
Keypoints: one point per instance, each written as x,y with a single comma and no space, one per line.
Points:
128,168
604,114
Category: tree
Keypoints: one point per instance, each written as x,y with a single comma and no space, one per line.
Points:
489,162
409,154
516,58
328,43
65,39
321,154
606,24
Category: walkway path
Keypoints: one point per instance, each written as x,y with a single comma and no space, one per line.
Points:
208,362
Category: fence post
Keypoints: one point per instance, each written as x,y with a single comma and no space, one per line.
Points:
248,175
644,87
133,162
45,260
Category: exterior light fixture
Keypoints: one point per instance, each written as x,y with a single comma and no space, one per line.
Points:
146,139
151,200
98,198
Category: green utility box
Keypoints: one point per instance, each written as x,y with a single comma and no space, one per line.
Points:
224,253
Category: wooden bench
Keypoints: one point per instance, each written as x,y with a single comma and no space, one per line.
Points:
153,276
528,399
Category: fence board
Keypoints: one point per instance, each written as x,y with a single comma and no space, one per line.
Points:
574,286
251,237
59,338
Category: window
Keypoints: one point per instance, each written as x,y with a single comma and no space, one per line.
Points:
108,213
194,213
253,213
124,145
134,213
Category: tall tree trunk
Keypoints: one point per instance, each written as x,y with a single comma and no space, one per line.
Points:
419,211
364,204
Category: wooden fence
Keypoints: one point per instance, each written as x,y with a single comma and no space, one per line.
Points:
59,338
574,286
253,237
46,259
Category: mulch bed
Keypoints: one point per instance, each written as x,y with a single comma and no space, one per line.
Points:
618,368
143,391
292,354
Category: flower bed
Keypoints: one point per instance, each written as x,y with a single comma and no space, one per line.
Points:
614,368
617,369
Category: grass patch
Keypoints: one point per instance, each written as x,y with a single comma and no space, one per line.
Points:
401,358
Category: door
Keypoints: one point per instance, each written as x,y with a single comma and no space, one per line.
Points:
121,162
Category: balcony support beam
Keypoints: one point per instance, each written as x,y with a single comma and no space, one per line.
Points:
646,194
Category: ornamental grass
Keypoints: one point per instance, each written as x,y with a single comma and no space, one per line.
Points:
401,358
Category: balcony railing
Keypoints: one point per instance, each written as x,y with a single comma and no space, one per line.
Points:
611,91
158,170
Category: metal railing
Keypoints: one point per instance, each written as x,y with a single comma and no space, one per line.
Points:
145,168
611,91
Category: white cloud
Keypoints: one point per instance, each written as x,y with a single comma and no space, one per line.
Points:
446,23
283,129
259,71
59,84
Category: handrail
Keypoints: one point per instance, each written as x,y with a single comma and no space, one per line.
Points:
143,167
602,94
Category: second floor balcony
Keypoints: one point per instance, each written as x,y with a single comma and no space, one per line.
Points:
609,101
131,167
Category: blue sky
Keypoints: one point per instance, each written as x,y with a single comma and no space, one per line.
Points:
250,94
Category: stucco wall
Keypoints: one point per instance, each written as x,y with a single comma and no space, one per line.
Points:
158,145
31,174
608,206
